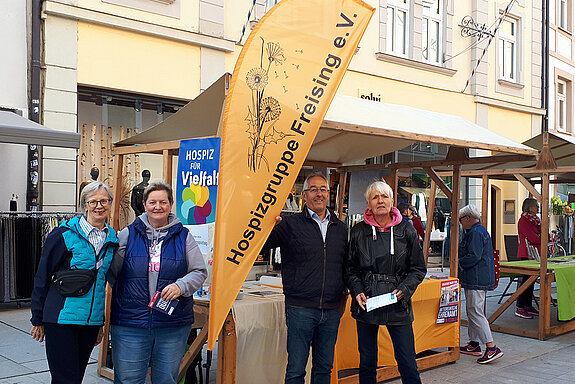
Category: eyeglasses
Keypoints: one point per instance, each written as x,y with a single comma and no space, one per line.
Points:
461,218
94,203
317,190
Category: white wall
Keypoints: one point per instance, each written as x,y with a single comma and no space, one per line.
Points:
13,95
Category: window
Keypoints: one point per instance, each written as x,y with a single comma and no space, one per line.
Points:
561,105
397,26
564,14
508,50
271,3
431,31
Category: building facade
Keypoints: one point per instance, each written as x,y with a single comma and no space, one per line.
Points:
128,64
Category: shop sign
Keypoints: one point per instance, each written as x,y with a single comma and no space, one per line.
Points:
368,95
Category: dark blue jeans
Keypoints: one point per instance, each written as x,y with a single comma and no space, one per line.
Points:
310,327
403,348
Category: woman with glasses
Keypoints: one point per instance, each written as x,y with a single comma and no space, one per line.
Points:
384,258
158,259
72,325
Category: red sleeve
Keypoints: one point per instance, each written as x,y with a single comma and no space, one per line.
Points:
418,226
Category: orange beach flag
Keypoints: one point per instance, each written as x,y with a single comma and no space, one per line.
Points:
284,81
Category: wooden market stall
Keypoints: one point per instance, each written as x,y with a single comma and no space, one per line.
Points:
554,165
353,129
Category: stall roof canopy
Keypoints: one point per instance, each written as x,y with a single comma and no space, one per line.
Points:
353,128
15,129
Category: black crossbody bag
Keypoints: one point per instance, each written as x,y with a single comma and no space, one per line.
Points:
74,282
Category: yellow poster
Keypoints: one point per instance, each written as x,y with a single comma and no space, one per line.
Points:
284,81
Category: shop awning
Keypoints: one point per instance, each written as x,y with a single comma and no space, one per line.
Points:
15,129
353,129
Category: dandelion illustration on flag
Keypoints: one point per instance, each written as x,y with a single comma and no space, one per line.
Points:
264,111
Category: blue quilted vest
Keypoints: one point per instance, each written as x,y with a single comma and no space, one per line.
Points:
131,295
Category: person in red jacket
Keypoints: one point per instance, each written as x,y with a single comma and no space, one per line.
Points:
416,221
529,228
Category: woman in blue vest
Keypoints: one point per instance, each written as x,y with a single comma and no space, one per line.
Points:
73,325
156,255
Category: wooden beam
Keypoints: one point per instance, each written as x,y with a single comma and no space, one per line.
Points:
511,171
527,184
511,299
443,163
484,200
395,183
341,193
440,183
193,351
226,363
157,148
103,352
457,154
429,225
322,164
454,245
116,188
546,159
168,166
544,287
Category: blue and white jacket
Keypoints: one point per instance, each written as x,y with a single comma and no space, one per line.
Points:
68,246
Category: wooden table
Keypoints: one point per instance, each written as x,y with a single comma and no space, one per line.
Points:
545,329
428,335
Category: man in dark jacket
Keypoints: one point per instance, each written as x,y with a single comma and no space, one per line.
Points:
313,247
477,276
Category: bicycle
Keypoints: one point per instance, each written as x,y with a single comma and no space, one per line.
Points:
555,249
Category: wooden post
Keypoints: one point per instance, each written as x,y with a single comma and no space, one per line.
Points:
454,244
117,175
103,353
167,167
429,225
484,199
341,193
395,183
227,352
544,287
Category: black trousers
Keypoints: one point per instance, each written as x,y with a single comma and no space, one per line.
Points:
403,349
68,348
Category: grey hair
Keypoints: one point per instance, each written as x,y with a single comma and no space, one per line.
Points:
528,203
381,187
159,185
471,211
89,190
315,174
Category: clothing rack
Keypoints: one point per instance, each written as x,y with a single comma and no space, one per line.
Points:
22,236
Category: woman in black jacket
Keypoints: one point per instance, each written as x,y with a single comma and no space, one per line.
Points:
384,257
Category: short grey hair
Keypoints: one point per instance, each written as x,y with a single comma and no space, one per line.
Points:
159,185
315,174
471,211
89,190
381,187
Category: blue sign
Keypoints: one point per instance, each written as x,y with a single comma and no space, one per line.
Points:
197,180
